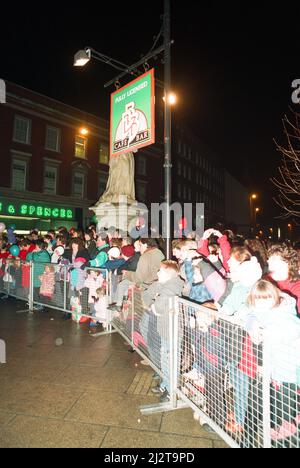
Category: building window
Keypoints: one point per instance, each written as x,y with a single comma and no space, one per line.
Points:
22,130
52,139
104,154
179,168
80,147
190,173
102,183
50,179
78,184
141,191
184,171
19,170
142,165
179,146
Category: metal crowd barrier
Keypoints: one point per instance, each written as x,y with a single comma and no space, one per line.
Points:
84,293
210,363
245,385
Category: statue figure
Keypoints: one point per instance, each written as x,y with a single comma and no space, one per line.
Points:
120,181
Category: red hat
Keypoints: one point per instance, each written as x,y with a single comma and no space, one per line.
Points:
128,251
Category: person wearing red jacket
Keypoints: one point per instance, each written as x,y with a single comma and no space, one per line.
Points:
284,270
25,248
219,251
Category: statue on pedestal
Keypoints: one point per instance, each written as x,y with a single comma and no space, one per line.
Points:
120,181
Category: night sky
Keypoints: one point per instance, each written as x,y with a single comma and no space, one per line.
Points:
232,68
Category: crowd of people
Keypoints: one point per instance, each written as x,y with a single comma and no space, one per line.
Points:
254,283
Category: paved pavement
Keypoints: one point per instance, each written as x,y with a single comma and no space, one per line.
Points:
85,392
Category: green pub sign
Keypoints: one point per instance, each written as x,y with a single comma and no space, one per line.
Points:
132,121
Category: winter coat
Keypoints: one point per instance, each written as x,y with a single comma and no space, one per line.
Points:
236,300
47,284
131,264
68,254
101,257
159,295
91,248
198,292
100,307
213,278
113,265
147,268
281,338
225,250
93,284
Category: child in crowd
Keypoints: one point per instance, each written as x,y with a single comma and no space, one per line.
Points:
47,282
99,310
156,300
275,313
245,271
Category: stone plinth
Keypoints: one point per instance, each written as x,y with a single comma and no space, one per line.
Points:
120,215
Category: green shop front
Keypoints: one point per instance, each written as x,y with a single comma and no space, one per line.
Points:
27,215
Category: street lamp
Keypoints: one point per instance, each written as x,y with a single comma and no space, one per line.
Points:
84,131
290,227
257,210
172,99
82,57
253,197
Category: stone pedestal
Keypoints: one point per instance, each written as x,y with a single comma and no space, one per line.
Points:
121,215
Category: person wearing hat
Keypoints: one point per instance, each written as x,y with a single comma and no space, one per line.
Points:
132,255
115,259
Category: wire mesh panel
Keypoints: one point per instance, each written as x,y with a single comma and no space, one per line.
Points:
5,277
87,295
220,374
151,332
48,281
123,318
83,292
283,361
16,279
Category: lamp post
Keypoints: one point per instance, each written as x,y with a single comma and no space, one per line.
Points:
253,197
256,211
82,57
167,124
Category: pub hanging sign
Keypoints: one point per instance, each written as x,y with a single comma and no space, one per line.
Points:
132,122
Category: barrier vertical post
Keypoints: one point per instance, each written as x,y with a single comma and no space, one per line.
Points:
172,352
31,288
109,299
65,289
132,321
266,394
